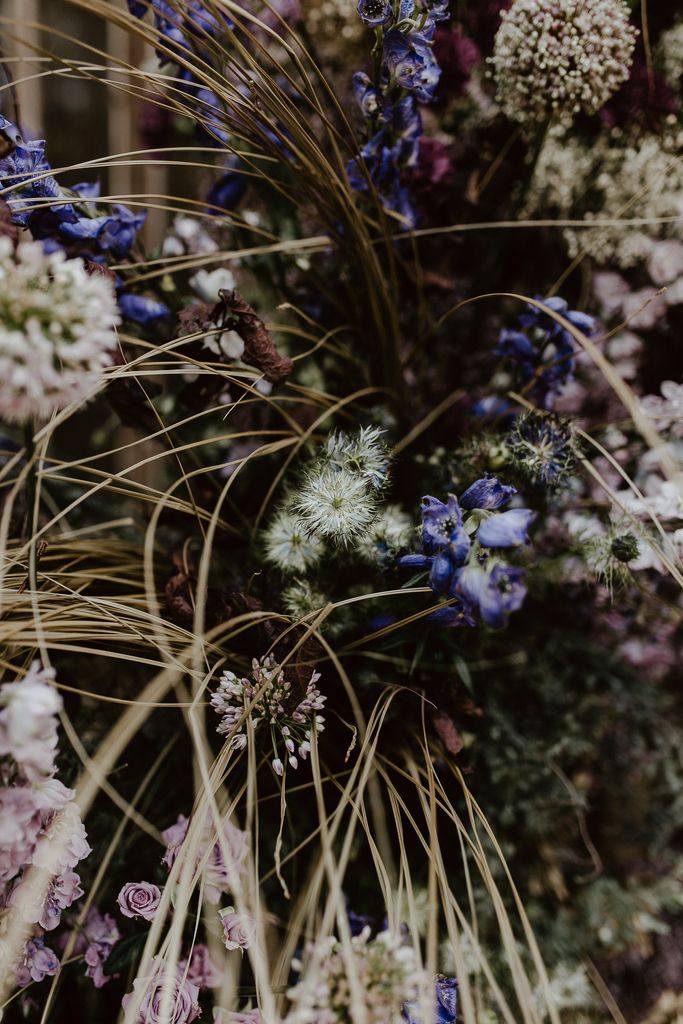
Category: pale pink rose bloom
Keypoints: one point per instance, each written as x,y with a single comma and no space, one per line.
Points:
183,1003
139,899
239,930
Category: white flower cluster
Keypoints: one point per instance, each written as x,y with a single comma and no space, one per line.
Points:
268,700
336,503
611,179
555,58
57,330
338,500
387,975
669,53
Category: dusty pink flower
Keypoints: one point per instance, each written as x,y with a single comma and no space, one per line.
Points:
221,1016
100,935
39,962
239,930
221,860
19,829
200,970
139,899
183,1003
28,722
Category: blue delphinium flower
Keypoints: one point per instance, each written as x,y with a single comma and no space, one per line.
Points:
375,12
406,71
446,1003
542,351
226,193
141,309
408,60
461,542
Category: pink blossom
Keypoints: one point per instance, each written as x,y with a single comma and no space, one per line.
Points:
183,998
64,843
19,830
100,935
222,860
28,722
239,930
39,962
139,899
200,970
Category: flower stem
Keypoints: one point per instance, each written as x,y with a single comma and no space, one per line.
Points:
31,509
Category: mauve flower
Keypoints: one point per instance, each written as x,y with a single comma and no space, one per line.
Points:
63,891
64,843
19,829
183,1000
28,722
139,899
239,930
100,935
458,55
221,1016
220,873
39,962
201,970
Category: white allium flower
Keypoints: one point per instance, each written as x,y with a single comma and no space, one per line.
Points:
288,546
268,700
387,973
57,330
554,58
669,52
612,179
388,535
335,505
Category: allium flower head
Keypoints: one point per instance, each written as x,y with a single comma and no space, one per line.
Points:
288,546
57,330
555,58
268,699
387,972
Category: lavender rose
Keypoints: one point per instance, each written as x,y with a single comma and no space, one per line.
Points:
182,998
239,930
139,899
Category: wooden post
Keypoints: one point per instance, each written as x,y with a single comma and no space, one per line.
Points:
26,16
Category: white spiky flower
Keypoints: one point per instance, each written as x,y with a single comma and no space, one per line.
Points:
555,58
388,535
364,453
57,331
387,976
288,546
336,505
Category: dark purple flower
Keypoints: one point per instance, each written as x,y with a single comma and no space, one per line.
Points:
226,193
457,55
375,12
487,493
493,592
409,61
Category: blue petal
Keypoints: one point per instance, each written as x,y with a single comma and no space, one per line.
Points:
487,493
506,529
142,310
441,575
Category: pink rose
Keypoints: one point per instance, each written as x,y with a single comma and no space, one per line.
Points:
182,1000
200,969
139,899
239,930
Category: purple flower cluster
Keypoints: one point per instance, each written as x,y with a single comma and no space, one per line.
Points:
40,825
221,858
69,218
462,540
407,72
542,351
94,942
